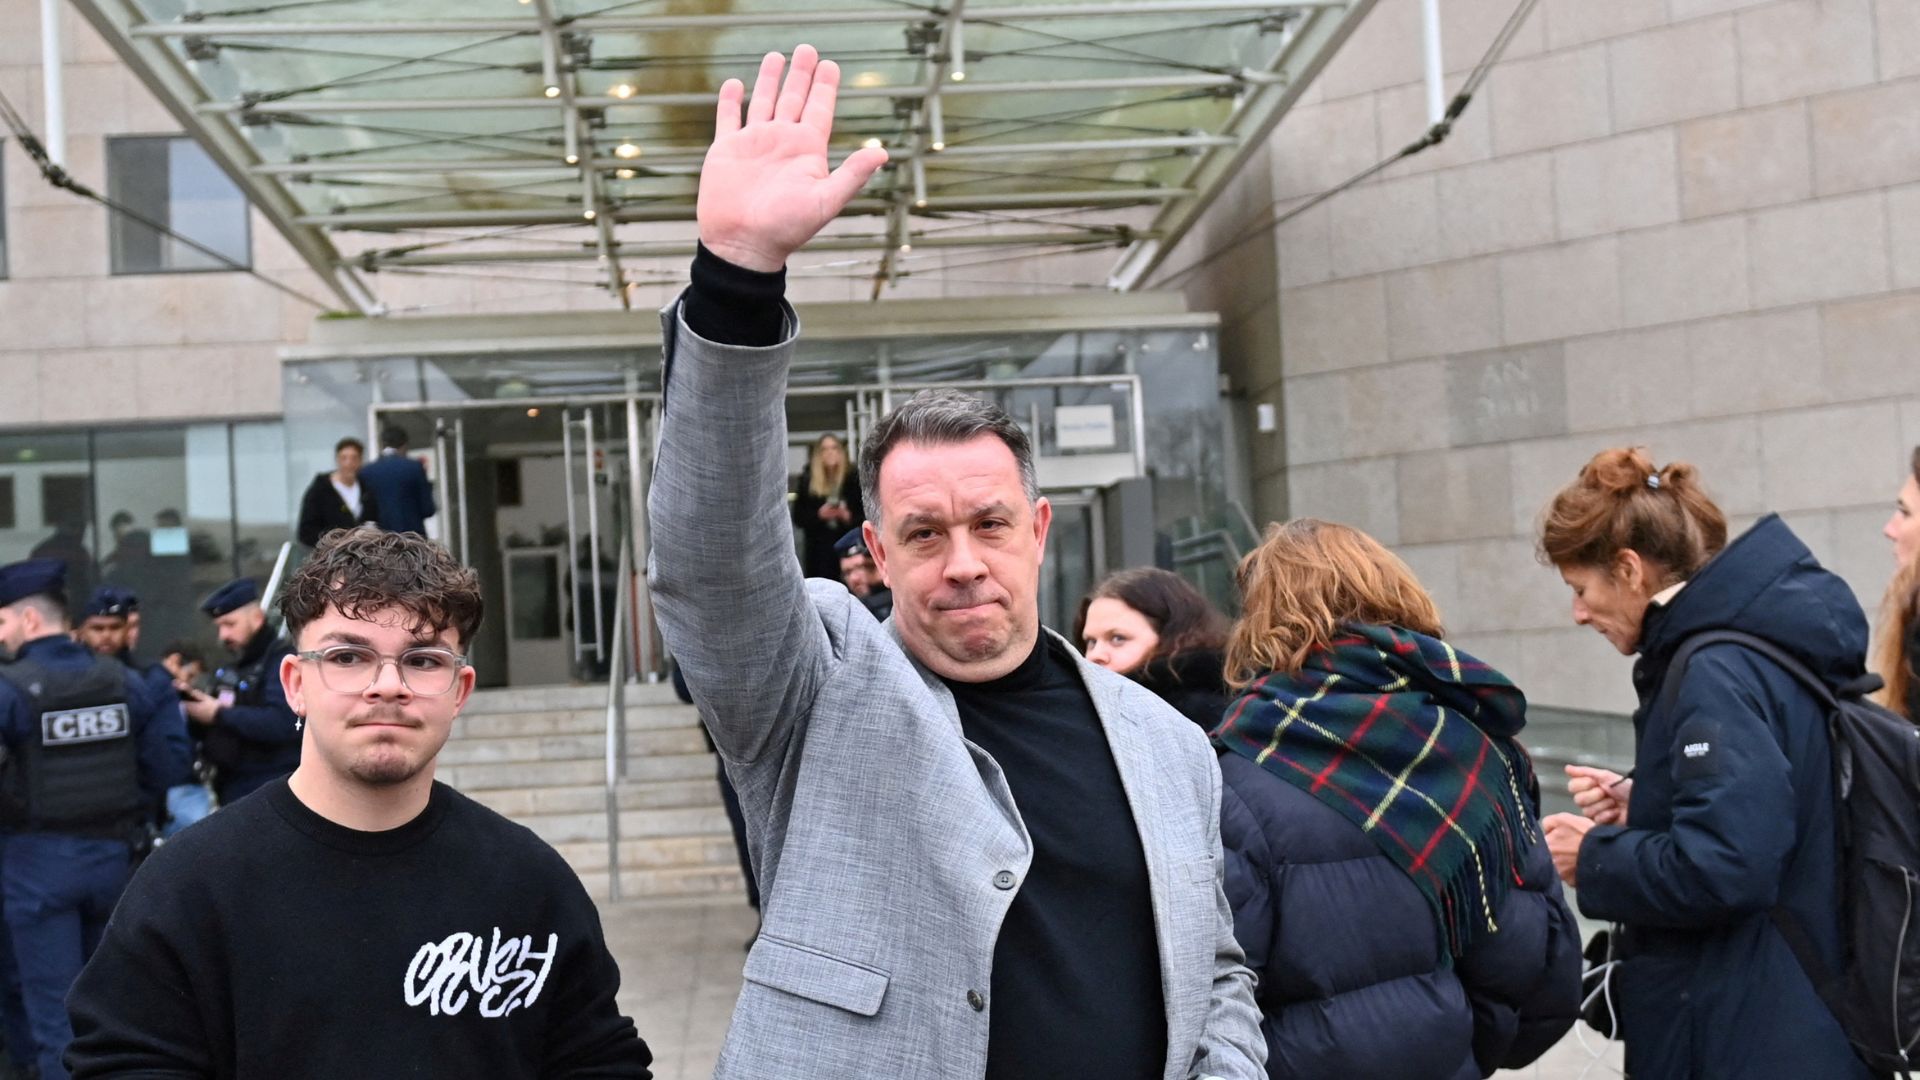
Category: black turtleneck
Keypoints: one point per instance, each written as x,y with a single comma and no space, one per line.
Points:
1076,970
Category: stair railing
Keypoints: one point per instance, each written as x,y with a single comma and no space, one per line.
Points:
617,714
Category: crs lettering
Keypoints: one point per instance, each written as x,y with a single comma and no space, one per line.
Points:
502,974
95,724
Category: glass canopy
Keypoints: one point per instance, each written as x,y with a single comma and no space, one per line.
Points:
382,135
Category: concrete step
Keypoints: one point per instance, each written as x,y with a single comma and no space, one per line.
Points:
559,698
493,725
642,743
538,756
634,824
673,881
519,803
652,853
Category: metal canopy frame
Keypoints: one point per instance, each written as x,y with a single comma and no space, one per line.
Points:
424,136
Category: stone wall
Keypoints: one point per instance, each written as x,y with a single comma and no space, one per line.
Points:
1688,224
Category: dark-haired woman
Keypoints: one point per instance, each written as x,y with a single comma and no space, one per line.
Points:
337,499
1155,627
1729,818
1899,657
1384,859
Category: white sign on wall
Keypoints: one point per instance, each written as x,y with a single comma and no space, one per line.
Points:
1083,427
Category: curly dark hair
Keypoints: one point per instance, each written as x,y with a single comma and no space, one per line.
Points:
359,572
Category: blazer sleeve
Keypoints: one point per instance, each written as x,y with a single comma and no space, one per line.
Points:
423,489
1732,831
729,595
369,505
1234,1046
313,510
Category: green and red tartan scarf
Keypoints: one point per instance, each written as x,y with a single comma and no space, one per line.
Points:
1411,740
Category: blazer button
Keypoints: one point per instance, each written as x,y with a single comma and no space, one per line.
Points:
974,999
1004,880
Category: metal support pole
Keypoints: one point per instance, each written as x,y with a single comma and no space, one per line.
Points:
1436,70
593,533
573,529
460,462
53,81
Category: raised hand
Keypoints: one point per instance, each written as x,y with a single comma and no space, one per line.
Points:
765,189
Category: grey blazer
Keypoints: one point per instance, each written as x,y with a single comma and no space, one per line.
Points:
877,831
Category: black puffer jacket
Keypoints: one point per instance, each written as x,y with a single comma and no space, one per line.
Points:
1193,682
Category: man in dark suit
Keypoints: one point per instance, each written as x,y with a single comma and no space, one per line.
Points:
402,494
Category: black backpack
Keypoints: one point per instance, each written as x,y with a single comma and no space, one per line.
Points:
1876,781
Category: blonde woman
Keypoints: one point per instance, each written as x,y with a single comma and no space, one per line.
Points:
827,506
1899,656
1382,834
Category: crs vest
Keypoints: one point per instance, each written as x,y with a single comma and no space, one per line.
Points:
79,769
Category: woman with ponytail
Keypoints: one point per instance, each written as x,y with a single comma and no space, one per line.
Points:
1899,657
1727,829
1381,828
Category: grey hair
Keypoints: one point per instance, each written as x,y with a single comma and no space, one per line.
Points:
939,418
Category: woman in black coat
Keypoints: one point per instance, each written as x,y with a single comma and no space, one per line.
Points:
1900,643
1384,860
1154,627
337,499
1728,824
826,506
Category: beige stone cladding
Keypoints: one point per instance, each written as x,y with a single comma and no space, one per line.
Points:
1688,224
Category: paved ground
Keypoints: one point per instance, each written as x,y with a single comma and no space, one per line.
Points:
681,965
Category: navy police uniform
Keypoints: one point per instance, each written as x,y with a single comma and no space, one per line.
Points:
87,763
255,739
186,802
879,600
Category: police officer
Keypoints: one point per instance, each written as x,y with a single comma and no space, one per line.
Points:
861,577
248,732
87,760
109,625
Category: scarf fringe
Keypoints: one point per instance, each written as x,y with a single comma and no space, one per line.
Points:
1467,900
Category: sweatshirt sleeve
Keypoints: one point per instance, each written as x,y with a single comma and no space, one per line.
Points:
589,1038
133,1009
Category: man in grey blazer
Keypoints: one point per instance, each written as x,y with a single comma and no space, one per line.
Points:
978,855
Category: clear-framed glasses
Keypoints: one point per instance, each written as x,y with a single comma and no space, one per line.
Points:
350,669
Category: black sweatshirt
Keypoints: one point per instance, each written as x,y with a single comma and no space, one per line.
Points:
1076,969
267,943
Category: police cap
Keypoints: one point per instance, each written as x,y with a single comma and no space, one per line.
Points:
854,543
232,596
111,600
31,577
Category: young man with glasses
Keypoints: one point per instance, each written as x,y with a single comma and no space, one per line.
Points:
358,919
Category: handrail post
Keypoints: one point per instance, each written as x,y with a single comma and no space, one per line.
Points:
616,743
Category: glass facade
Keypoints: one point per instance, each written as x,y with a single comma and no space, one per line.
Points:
1101,406
170,512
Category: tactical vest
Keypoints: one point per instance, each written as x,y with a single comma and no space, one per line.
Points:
78,771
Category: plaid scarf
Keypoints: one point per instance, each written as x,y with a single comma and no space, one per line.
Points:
1412,741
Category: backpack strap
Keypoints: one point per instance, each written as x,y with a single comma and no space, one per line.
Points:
1791,930
1676,668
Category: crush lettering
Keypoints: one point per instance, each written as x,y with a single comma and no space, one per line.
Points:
84,725
503,974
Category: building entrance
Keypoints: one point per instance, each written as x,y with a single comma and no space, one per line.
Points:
540,496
